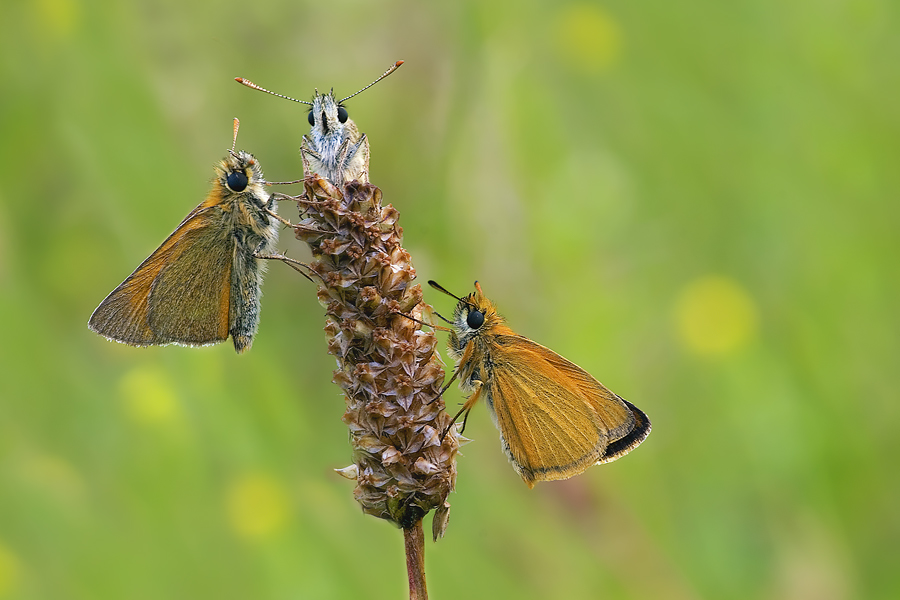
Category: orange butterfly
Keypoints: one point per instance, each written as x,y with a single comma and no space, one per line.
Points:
555,420
203,283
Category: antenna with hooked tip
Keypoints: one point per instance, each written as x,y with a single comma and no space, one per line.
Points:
250,84
438,287
393,68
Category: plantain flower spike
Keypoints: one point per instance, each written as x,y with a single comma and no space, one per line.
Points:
386,363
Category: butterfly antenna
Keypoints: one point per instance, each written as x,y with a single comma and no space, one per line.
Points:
250,84
437,286
393,68
441,288
237,125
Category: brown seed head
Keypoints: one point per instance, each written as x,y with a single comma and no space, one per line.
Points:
387,366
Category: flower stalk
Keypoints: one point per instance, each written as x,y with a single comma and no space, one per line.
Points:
414,543
386,364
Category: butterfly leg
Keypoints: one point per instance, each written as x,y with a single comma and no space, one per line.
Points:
436,327
312,160
464,360
470,402
277,217
294,264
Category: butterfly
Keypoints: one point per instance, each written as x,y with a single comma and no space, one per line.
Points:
555,419
334,148
203,283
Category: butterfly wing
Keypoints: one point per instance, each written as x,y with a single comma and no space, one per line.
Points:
622,446
555,419
180,294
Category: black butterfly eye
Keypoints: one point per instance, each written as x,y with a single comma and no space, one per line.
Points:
310,118
237,181
475,319
342,114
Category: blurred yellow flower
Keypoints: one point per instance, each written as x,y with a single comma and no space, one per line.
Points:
57,18
9,571
150,397
587,37
715,316
257,506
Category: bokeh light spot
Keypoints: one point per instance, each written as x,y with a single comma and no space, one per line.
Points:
150,397
58,17
257,506
715,316
587,37
9,571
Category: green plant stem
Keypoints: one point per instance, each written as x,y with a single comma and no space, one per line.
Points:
414,542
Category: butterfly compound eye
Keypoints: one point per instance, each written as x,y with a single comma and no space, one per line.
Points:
342,114
475,319
310,118
237,181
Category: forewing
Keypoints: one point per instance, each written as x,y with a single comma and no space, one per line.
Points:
190,300
555,419
178,293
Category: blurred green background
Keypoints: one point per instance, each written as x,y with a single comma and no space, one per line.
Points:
695,201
